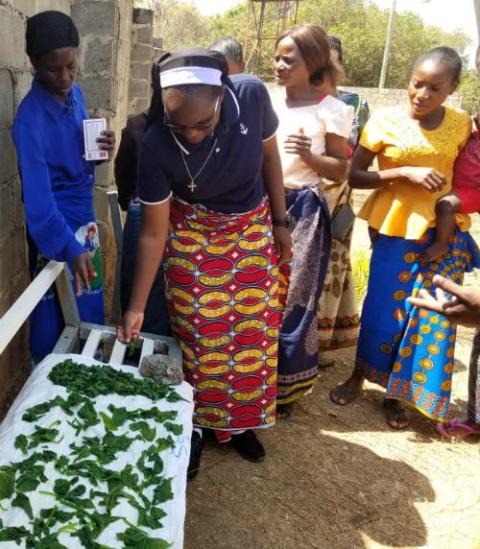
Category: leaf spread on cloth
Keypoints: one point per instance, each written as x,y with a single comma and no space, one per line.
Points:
82,513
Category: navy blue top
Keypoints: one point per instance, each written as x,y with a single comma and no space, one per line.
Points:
57,182
231,181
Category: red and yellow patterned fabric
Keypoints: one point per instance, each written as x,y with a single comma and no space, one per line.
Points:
225,289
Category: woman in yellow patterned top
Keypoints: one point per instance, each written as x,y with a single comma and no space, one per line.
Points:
408,350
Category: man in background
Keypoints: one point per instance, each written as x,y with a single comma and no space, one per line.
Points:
233,52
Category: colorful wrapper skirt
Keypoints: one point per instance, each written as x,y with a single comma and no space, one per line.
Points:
473,406
46,320
224,290
299,337
338,318
407,350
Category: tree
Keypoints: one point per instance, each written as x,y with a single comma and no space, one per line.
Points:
361,26
470,91
180,25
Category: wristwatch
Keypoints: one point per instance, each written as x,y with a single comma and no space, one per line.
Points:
283,222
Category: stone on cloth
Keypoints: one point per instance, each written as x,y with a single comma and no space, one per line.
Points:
162,369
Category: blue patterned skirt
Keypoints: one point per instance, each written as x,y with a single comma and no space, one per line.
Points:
299,338
407,350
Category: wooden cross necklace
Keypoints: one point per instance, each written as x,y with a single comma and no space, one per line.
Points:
192,185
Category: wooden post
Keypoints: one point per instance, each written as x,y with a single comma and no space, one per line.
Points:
388,43
476,5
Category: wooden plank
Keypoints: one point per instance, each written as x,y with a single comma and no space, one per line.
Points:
68,303
175,355
118,233
147,349
118,352
18,313
91,345
67,341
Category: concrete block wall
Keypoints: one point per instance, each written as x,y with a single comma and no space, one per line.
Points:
105,34
141,58
378,99
105,30
15,79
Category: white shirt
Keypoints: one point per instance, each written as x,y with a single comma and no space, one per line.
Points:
330,115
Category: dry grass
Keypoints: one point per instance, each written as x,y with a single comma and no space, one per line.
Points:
360,267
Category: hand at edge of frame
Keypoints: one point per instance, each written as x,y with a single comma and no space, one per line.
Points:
464,308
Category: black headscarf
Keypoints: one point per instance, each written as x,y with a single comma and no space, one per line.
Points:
197,57
50,30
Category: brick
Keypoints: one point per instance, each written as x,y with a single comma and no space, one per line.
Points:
97,55
138,88
12,255
14,369
92,17
11,209
142,104
31,7
141,53
22,85
144,34
6,93
8,157
142,16
98,93
158,44
12,51
140,71
103,178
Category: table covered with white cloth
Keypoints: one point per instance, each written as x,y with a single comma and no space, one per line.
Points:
94,456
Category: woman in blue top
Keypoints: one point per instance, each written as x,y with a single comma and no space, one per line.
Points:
57,182
213,200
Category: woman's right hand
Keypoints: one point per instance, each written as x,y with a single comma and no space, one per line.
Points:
128,327
84,271
428,178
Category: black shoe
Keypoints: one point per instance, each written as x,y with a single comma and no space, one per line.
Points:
196,447
284,411
248,446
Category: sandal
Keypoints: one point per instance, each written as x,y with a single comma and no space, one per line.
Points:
284,411
458,428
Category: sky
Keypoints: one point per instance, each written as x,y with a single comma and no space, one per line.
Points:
447,14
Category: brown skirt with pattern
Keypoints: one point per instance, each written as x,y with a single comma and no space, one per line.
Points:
338,319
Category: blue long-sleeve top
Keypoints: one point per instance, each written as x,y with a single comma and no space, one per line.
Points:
57,182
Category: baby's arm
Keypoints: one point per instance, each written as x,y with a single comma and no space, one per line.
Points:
445,211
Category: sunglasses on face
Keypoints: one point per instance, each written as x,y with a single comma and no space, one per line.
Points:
203,126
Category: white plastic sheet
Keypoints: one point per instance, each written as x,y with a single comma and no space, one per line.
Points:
38,389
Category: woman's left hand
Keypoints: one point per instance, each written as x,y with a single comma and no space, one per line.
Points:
107,142
299,143
283,242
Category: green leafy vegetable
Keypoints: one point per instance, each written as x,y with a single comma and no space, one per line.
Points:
134,538
93,381
7,483
22,501
21,442
174,428
89,513
88,414
163,491
14,533
147,433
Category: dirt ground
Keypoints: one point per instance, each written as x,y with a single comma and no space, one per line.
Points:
340,478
